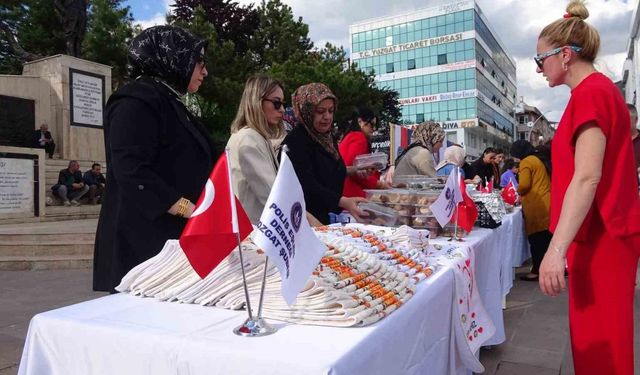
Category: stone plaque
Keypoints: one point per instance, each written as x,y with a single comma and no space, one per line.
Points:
87,98
17,121
16,186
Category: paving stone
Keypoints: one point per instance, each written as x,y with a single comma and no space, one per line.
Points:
509,368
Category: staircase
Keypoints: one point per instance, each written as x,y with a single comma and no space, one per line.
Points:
47,245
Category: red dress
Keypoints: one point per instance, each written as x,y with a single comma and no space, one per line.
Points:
353,144
603,257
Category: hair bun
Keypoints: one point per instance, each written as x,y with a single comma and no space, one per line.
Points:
577,8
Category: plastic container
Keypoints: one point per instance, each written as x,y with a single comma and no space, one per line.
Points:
378,215
426,198
419,182
391,196
376,160
426,222
401,209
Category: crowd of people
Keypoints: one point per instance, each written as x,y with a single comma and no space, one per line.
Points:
160,156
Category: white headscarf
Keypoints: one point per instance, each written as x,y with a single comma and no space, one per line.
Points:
453,155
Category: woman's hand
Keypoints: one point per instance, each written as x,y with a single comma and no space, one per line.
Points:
382,184
362,172
351,205
552,269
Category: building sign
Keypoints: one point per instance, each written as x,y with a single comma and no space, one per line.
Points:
467,64
455,7
414,45
438,97
469,123
86,91
16,186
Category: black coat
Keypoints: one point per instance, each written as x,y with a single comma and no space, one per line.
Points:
321,176
156,153
37,134
485,171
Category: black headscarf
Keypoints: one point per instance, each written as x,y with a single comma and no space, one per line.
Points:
166,52
521,149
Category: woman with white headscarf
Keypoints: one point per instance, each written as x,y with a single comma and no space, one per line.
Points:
453,157
417,159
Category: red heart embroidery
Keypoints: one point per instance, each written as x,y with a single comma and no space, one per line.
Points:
473,315
460,300
480,329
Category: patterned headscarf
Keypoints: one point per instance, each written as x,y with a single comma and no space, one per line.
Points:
166,52
428,134
305,99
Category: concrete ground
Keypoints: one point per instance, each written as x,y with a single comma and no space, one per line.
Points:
536,325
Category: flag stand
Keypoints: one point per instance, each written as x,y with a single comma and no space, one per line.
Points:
253,326
455,227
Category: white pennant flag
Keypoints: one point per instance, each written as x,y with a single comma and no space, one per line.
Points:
285,234
446,203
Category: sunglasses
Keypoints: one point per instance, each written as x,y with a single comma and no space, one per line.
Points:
277,104
539,59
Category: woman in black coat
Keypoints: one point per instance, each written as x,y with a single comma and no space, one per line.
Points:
159,156
314,154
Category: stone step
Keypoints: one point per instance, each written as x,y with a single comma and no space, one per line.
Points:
46,250
47,238
52,262
83,209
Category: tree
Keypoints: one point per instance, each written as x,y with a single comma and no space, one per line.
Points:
29,30
109,32
279,37
231,21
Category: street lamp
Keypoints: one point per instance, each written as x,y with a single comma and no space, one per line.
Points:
531,124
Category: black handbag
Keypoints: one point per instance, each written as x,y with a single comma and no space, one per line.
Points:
485,220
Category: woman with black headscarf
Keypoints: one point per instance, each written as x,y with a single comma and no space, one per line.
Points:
158,155
534,188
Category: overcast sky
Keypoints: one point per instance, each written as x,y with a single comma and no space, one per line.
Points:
517,23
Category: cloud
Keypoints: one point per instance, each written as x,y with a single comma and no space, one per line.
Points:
516,22
159,18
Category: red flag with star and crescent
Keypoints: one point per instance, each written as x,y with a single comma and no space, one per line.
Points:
509,194
210,233
467,210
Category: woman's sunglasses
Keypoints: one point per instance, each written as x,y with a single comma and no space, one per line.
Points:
276,103
539,59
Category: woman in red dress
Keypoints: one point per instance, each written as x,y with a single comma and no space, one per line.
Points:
595,208
356,142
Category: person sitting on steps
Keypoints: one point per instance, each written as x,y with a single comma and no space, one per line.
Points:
96,182
70,187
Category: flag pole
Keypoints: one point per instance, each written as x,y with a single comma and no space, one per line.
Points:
264,281
251,327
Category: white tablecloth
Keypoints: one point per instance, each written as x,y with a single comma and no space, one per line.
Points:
496,252
122,334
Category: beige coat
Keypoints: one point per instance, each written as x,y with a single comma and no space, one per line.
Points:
253,168
418,160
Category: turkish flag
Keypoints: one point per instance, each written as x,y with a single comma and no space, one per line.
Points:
509,194
210,234
467,210
487,189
